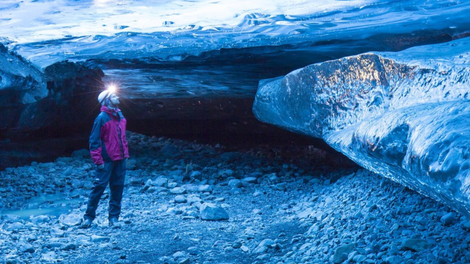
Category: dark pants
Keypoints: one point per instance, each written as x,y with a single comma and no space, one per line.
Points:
114,174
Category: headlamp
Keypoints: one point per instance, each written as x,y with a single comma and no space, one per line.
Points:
112,88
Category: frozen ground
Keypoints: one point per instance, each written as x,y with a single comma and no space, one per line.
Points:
286,204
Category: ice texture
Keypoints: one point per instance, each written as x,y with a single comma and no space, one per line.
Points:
23,81
403,115
46,32
32,99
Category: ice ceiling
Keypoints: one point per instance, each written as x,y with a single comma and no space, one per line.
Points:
336,70
218,48
47,31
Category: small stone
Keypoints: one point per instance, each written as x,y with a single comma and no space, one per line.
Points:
193,198
39,219
160,181
341,253
99,239
29,249
81,153
193,251
54,245
237,244
49,256
393,260
15,227
195,175
12,260
466,225
257,211
225,173
178,190
174,210
172,184
131,164
245,249
185,261
213,212
205,188
359,258
264,246
250,180
235,183
263,257
180,199
414,244
69,247
448,219
179,254
73,219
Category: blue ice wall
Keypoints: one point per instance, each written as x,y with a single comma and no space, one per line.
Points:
403,115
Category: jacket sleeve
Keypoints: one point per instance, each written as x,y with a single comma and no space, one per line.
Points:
124,142
95,141
123,135
126,148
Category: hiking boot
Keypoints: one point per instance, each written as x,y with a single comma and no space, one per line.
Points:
113,221
86,223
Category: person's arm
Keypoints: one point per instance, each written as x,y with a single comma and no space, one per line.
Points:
95,143
126,147
123,137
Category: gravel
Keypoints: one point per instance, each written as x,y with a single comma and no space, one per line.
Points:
186,202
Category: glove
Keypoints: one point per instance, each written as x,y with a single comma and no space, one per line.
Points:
100,166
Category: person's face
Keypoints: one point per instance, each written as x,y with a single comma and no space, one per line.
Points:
114,99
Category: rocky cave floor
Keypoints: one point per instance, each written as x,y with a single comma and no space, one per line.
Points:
286,204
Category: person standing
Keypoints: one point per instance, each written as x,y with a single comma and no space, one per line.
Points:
109,152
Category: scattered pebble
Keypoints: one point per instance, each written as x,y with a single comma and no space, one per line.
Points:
192,203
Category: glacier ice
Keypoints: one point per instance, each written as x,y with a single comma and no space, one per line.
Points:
403,115
19,75
33,99
45,32
21,84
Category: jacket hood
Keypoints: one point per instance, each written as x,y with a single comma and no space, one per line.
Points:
112,111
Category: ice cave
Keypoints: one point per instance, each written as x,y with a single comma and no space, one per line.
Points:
379,87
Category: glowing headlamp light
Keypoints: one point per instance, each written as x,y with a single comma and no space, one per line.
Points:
112,88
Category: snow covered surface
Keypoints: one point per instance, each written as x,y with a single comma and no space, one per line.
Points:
403,115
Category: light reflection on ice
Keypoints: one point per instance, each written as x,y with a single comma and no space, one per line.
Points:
168,29
403,115
43,20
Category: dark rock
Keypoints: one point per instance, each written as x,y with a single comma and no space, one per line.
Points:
448,219
82,153
69,247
